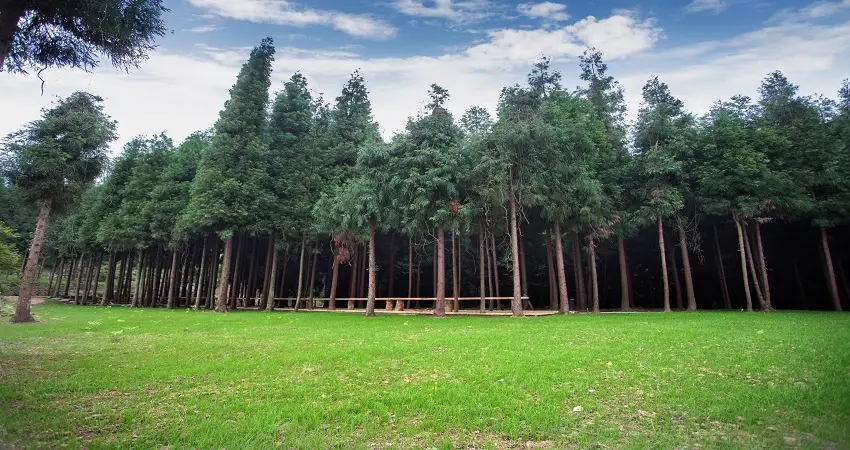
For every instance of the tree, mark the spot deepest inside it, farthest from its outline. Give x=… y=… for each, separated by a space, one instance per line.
x=230 y=192
x=614 y=166
x=53 y=160
x=424 y=174
x=71 y=33
x=661 y=135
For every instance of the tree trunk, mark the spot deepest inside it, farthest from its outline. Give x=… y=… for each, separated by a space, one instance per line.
x=495 y=267
x=55 y=291
x=455 y=294
x=129 y=282
x=252 y=275
x=71 y=268
x=754 y=273
x=89 y=274
x=172 y=284
x=310 y=292
x=564 y=303
x=830 y=270
x=213 y=273
x=516 y=302
x=119 y=288
x=579 y=273
x=201 y=278
x=138 y=296
x=550 y=266
x=686 y=265
x=399 y=306
x=97 y=276
x=624 y=275
x=50 y=283
x=159 y=270
x=352 y=283
x=721 y=271
x=440 y=305
x=264 y=296
x=391 y=282
x=236 y=277
x=272 y=280
x=489 y=263
x=300 y=274
x=373 y=271
x=594 y=279
x=78 y=280
x=674 y=268
x=742 y=250
x=109 y=291
x=364 y=271
x=221 y=301
x=22 y=310
x=663 y=265
x=9 y=17
x=334 y=281
x=765 y=282
x=283 y=271
x=188 y=277
x=524 y=273
x=434 y=270
x=482 y=307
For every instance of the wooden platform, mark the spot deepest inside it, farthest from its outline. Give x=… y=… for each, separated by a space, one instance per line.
x=419 y=312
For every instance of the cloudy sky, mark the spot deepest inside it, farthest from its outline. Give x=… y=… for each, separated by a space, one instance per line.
x=704 y=49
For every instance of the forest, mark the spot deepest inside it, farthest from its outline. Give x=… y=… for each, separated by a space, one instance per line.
x=558 y=202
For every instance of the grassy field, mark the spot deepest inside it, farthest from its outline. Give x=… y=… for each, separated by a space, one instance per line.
x=119 y=377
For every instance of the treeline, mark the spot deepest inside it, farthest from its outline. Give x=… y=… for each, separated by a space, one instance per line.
x=553 y=204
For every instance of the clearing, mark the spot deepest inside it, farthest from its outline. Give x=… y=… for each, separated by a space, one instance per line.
x=118 y=377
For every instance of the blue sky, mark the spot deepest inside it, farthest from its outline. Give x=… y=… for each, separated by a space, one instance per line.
x=705 y=50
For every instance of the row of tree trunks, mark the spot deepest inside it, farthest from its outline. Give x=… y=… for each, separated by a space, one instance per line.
x=181 y=276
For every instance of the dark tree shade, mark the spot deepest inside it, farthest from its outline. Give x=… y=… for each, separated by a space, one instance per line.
x=71 y=33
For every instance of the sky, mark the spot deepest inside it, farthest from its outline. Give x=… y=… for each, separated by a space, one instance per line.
x=705 y=50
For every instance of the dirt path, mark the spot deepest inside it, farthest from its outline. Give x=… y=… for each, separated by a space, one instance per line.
x=35 y=300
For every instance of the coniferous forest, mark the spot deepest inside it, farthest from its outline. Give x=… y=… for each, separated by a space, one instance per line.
x=558 y=202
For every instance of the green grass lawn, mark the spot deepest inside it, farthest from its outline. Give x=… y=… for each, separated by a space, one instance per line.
x=119 y=377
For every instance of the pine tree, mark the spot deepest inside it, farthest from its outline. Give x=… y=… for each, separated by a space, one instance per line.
x=230 y=191
x=53 y=160
x=72 y=33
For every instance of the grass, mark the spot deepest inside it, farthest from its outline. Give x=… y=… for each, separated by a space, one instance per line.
x=119 y=377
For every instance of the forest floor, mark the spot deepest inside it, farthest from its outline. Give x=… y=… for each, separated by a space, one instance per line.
x=116 y=377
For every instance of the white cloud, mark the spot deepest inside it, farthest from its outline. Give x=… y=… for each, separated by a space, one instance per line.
x=283 y=12
x=202 y=29
x=459 y=11
x=814 y=11
x=555 y=12
x=183 y=93
x=715 y=6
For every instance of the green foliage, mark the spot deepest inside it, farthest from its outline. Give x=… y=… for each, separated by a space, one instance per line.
x=564 y=172
x=18 y=213
x=230 y=192
x=10 y=259
x=170 y=196
x=663 y=133
x=294 y=158
x=476 y=120
x=733 y=173
x=59 y=155
x=109 y=232
x=72 y=33
x=350 y=128
x=425 y=167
